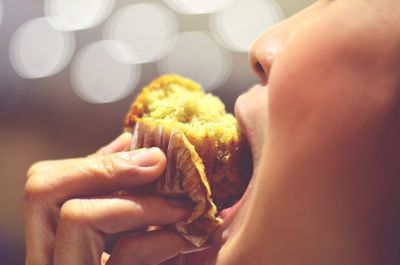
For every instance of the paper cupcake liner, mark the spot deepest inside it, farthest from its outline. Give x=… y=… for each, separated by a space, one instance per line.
x=184 y=176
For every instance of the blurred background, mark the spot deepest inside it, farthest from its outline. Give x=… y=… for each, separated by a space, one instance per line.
x=69 y=70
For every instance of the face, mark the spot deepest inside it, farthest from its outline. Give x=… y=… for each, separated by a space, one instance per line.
x=342 y=38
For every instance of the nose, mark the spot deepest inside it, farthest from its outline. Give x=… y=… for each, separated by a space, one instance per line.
x=265 y=48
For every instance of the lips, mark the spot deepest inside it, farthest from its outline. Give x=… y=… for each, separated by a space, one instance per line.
x=231 y=216
x=247 y=116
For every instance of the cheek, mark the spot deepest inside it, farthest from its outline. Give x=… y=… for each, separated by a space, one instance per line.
x=331 y=57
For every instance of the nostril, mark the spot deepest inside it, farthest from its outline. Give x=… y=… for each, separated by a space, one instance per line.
x=261 y=72
x=259 y=69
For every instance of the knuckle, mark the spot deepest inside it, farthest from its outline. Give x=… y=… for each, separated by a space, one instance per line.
x=101 y=151
x=75 y=211
x=37 y=187
x=38 y=183
x=31 y=190
x=35 y=168
x=109 y=165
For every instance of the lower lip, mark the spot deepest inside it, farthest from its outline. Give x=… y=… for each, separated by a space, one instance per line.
x=227 y=213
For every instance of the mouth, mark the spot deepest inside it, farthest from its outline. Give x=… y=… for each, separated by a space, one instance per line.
x=229 y=215
x=247 y=113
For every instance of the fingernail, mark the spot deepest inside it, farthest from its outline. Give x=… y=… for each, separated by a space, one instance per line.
x=118 y=143
x=146 y=157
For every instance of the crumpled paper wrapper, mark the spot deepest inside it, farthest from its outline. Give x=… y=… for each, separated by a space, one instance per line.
x=184 y=177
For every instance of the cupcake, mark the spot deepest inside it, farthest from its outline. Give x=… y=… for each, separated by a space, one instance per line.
x=208 y=157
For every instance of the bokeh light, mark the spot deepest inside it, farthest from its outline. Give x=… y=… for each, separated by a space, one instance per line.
x=237 y=26
x=38 y=50
x=77 y=14
x=98 y=77
x=196 y=6
x=197 y=56
x=148 y=32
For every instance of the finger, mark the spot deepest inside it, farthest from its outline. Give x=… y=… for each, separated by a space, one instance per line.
x=125 y=212
x=84 y=223
x=52 y=183
x=194 y=258
x=148 y=248
x=179 y=259
x=121 y=143
x=95 y=175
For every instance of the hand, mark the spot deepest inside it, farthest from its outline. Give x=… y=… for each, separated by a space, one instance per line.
x=71 y=205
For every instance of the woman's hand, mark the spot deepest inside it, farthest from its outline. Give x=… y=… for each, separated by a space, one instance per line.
x=71 y=206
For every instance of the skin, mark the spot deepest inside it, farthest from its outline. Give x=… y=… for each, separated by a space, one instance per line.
x=326 y=190
x=70 y=209
x=323 y=125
